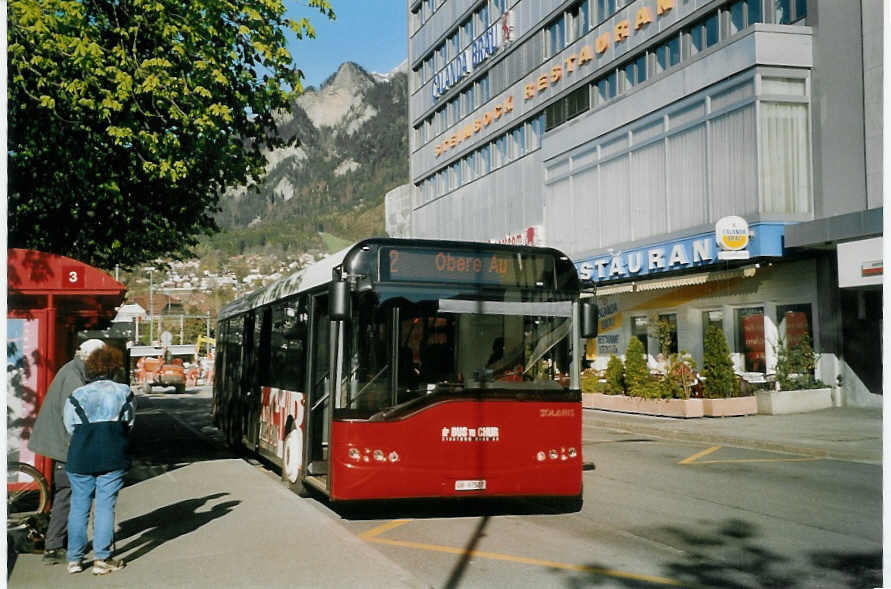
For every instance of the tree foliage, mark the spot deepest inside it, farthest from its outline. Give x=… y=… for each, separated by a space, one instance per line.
x=128 y=118
x=637 y=377
x=717 y=366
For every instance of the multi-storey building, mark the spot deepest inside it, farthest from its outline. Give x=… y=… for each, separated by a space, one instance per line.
x=704 y=162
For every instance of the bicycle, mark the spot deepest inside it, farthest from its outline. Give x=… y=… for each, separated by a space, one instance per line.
x=27 y=492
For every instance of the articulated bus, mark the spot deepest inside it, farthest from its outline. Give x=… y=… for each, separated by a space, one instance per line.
x=412 y=369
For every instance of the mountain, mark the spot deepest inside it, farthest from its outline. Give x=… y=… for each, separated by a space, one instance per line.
x=351 y=149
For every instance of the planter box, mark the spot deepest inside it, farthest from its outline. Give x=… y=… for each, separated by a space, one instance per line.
x=666 y=407
x=730 y=407
x=800 y=401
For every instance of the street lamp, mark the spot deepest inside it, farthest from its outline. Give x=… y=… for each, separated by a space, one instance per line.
x=151 y=270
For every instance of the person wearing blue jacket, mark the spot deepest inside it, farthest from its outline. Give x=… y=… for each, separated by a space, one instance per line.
x=99 y=416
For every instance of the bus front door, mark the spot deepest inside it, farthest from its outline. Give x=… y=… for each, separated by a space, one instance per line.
x=319 y=389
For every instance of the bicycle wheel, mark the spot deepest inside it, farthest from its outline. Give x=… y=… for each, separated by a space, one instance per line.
x=27 y=492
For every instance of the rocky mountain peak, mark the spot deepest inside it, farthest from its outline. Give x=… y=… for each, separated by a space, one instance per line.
x=339 y=94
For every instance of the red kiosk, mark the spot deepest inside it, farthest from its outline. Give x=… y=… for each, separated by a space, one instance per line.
x=50 y=298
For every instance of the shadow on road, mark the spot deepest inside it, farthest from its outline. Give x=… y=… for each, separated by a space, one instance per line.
x=731 y=556
x=147 y=532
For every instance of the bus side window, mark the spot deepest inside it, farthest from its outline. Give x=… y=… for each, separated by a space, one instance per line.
x=288 y=345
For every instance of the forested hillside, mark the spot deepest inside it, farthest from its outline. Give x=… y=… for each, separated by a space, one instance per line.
x=351 y=149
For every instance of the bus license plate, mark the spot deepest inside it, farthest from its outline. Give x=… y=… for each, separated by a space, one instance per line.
x=477 y=485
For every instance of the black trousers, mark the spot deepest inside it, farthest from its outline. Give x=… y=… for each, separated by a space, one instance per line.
x=57 y=531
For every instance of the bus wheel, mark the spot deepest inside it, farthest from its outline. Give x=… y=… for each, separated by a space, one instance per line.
x=292 y=462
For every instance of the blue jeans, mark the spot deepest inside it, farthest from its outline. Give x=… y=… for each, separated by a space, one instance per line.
x=84 y=487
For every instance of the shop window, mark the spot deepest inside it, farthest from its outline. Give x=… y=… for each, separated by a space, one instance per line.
x=793 y=322
x=750 y=338
x=712 y=319
x=639 y=327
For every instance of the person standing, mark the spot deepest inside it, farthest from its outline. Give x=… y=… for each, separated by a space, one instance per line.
x=50 y=438
x=99 y=417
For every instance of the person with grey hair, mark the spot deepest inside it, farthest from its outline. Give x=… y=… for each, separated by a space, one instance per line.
x=49 y=438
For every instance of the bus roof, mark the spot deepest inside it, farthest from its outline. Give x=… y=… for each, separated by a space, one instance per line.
x=321 y=272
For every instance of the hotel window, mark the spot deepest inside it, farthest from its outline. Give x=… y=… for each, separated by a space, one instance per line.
x=482 y=90
x=640 y=69
x=466 y=32
x=482 y=18
x=536 y=130
x=703 y=35
x=555 y=34
x=668 y=54
x=577 y=102
x=498 y=8
x=784 y=158
x=606 y=88
x=627 y=76
x=485 y=160
x=750 y=338
x=500 y=151
x=604 y=9
x=578 y=20
x=790 y=11
x=555 y=115
x=744 y=13
x=453 y=46
x=440 y=53
x=518 y=142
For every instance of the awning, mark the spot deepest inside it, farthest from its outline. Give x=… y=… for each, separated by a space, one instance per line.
x=678 y=281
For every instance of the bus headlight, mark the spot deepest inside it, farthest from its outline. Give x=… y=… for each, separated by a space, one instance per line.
x=541 y=456
x=553 y=454
x=354 y=454
x=394 y=457
x=379 y=456
x=572 y=453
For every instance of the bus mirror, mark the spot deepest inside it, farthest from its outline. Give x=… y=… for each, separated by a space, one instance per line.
x=589 y=318
x=339 y=304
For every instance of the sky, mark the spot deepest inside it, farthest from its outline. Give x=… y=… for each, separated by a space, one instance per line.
x=371 y=33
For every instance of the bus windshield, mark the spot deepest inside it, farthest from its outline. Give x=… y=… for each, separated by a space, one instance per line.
x=405 y=350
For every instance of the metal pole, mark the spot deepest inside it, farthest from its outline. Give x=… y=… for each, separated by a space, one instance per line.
x=180 y=330
x=151 y=271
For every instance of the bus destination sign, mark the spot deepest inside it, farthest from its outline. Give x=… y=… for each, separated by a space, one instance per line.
x=492 y=268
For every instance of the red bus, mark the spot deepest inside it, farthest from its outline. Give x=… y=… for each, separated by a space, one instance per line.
x=412 y=369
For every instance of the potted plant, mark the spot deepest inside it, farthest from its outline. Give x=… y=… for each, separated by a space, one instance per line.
x=720 y=389
x=644 y=393
x=797 y=388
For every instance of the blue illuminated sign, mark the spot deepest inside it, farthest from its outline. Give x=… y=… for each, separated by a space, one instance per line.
x=683 y=254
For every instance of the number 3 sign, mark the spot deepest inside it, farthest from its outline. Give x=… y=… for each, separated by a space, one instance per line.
x=72 y=276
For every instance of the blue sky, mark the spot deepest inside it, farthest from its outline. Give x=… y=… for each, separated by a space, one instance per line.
x=371 y=33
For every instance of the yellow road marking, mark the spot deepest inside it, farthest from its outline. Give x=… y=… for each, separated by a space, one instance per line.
x=699 y=454
x=373 y=536
x=376 y=531
x=707 y=451
x=759 y=460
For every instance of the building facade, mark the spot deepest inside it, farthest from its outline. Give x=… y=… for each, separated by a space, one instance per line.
x=703 y=162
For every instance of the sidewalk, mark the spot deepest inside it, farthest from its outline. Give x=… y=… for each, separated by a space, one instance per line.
x=224 y=523
x=842 y=433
